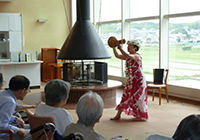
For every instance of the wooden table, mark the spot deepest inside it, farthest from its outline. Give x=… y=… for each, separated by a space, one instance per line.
x=57 y=67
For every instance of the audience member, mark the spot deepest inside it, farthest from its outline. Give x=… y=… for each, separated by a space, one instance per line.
x=56 y=95
x=1 y=81
x=18 y=88
x=18 y=107
x=89 y=110
x=158 y=137
x=188 y=129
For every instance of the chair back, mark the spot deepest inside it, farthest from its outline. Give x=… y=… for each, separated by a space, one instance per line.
x=159 y=74
x=35 y=121
x=166 y=75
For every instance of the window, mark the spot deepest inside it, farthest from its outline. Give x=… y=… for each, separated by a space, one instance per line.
x=133 y=19
x=147 y=33
x=184 y=50
x=144 y=8
x=106 y=31
x=183 y=6
x=114 y=12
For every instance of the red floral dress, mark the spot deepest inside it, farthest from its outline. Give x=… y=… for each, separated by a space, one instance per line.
x=134 y=99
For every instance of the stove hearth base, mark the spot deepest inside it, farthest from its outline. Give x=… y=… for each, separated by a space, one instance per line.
x=106 y=91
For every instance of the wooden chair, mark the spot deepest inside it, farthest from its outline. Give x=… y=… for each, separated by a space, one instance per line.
x=159 y=86
x=36 y=121
x=9 y=132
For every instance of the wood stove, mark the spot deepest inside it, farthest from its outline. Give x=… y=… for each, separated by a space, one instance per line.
x=85 y=73
x=83 y=44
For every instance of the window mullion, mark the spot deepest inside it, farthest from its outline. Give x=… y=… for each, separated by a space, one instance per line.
x=163 y=35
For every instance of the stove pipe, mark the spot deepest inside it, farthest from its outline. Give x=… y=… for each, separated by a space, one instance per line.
x=83 y=42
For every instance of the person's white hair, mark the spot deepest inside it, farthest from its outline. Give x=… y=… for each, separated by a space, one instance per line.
x=55 y=90
x=89 y=108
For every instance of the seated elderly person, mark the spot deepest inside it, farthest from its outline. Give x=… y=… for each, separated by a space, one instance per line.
x=158 y=137
x=1 y=81
x=89 y=110
x=18 y=88
x=56 y=95
x=188 y=129
x=18 y=107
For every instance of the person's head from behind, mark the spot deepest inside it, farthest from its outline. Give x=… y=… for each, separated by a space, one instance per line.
x=89 y=108
x=20 y=84
x=188 y=128
x=1 y=81
x=57 y=92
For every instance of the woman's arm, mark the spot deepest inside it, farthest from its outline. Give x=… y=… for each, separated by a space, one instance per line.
x=130 y=56
x=31 y=106
x=20 y=107
x=118 y=55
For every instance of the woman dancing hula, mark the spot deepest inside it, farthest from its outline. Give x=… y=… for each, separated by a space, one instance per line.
x=134 y=99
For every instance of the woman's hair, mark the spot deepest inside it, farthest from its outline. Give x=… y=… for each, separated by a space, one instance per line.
x=1 y=80
x=18 y=82
x=188 y=128
x=56 y=90
x=135 y=46
x=89 y=108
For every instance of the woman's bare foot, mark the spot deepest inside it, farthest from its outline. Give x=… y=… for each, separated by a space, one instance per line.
x=138 y=119
x=115 y=118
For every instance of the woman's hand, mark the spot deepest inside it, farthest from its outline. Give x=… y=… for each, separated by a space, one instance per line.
x=119 y=47
x=117 y=43
x=36 y=104
x=31 y=106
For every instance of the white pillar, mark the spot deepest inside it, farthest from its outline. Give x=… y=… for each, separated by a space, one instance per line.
x=164 y=35
x=125 y=14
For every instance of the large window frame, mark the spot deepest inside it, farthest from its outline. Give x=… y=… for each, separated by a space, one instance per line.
x=164 y=16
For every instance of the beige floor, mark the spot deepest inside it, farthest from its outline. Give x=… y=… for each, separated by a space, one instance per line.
x=163 y=119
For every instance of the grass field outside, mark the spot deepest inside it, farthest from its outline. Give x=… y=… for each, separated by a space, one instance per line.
x=184 y=63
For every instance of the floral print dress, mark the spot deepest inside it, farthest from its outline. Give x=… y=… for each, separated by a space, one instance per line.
x=134 y=99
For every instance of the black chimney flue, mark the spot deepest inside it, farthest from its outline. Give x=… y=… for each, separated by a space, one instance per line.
x=83 y=42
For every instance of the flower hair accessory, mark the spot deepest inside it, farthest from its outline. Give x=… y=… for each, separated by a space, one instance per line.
x=134 y=42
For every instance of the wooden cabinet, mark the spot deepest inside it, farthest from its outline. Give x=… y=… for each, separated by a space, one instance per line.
x=48 y=56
